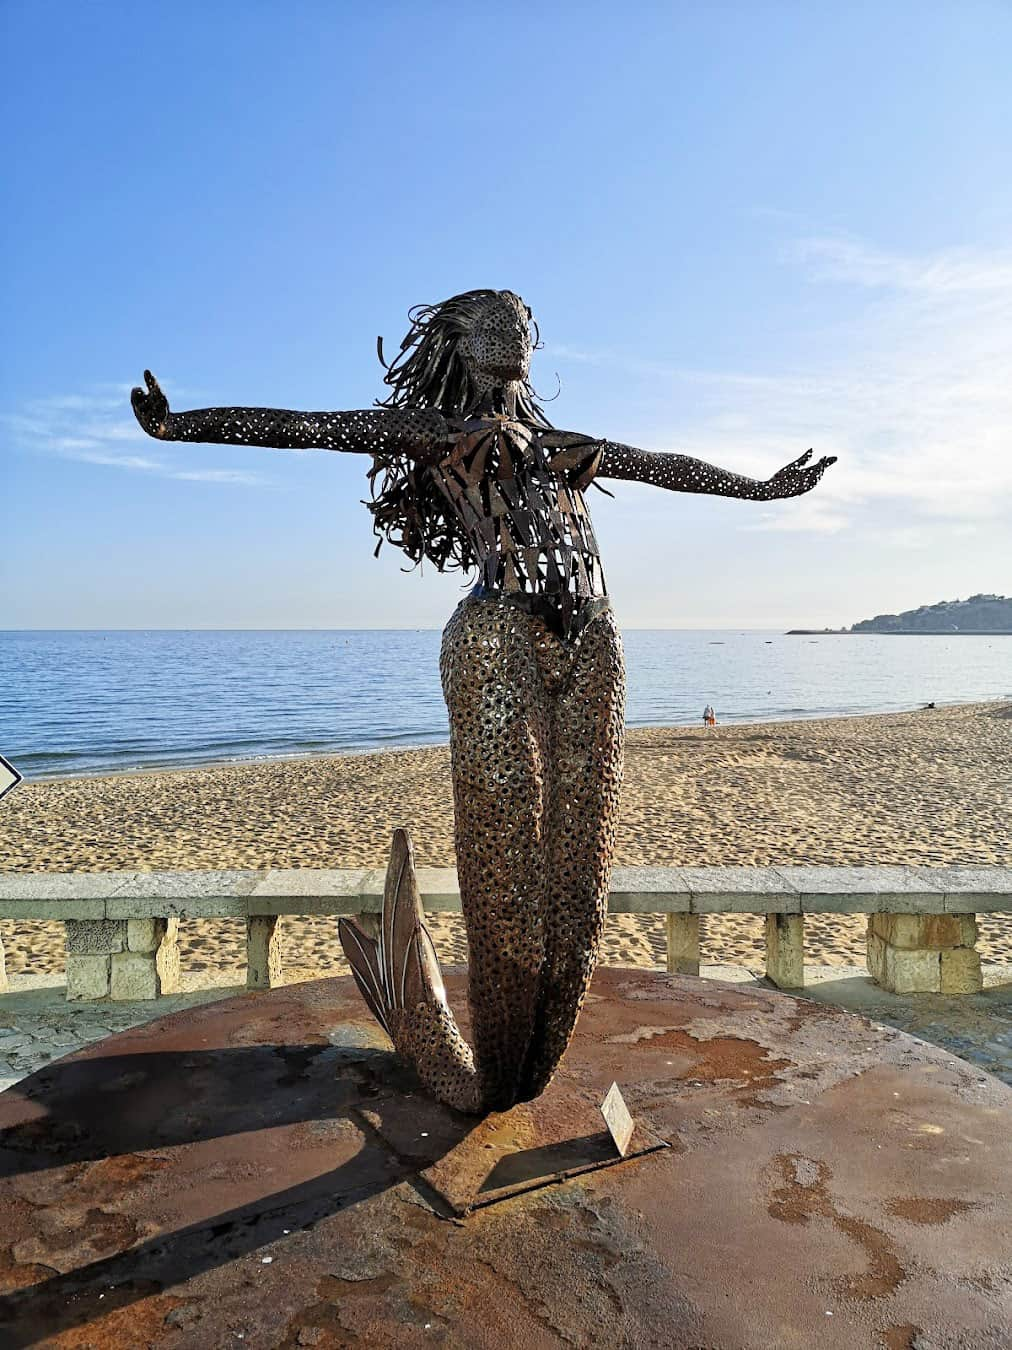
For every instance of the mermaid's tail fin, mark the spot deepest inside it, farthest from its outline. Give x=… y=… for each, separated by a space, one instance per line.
x=413 y=974
x=360 y=940
x=391 y=955
x=395 y=966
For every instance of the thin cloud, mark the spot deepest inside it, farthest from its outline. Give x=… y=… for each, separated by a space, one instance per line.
x=239 y=476
x=945 y=273
x=805 y=516
x=80 y=402
x=913 y=395
x=90 y=428
x=114 y=461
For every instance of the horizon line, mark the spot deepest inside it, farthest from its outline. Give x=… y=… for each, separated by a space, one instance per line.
x=405 y=628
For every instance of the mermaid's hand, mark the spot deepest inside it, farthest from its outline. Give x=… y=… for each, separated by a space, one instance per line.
x=796 y=478
x=151 y=407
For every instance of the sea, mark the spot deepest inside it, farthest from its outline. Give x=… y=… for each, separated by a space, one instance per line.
x=75 y=702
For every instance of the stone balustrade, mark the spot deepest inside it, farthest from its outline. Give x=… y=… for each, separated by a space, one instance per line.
x=122 y=926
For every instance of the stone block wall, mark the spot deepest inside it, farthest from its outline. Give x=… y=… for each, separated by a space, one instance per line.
x=924 y=953
x=122 y=958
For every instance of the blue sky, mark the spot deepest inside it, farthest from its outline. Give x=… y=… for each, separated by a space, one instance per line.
x=744 y=230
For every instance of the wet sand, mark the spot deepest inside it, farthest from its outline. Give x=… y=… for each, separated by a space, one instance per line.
x=926 y=787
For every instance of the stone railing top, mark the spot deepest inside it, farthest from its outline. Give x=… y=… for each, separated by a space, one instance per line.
x=646 y=890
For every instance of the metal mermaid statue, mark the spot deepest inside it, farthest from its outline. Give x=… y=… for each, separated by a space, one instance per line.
x=468 y=472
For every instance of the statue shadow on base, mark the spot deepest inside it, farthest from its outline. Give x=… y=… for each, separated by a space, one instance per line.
x=237 y=1146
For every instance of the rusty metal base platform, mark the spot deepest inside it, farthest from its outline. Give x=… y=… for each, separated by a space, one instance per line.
x=246 y=1173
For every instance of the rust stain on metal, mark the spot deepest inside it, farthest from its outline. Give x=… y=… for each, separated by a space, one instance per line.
x=804 y=1194
x=75 y=1235
x=125 y=1170
x=901 y=1337
x=935 y=1211
x=723 y=1059
x=15 y=1273
x=142 y=1323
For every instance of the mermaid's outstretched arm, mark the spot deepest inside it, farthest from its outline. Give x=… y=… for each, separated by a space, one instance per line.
x=372 y=431
x=682 y=473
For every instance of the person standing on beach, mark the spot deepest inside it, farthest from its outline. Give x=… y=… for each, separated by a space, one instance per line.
x=468 y=472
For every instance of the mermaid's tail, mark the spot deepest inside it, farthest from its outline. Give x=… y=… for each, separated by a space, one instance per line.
x=397 y=971
x=392 y=956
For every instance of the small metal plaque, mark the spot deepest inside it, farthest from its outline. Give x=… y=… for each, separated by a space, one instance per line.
x=617 y=1118
x=9 y=776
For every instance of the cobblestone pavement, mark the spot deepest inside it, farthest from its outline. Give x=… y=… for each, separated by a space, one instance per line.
x=977 y=1027
x=38 y=1025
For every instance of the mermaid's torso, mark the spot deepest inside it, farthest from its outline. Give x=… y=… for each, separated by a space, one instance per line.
x=518 y=495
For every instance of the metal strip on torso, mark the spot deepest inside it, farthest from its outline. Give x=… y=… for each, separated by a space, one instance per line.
x=526 y=521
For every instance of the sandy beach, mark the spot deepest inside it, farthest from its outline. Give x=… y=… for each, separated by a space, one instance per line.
x=928 y=787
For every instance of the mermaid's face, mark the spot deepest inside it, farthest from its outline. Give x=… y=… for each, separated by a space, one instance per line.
x=498 y=346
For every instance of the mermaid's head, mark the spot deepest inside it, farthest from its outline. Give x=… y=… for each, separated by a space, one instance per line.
x=469 y=353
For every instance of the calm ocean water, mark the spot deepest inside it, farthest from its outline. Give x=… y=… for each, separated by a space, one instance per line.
x=102 y=702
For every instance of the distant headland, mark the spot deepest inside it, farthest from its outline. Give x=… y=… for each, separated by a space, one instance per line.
x=978 y=615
